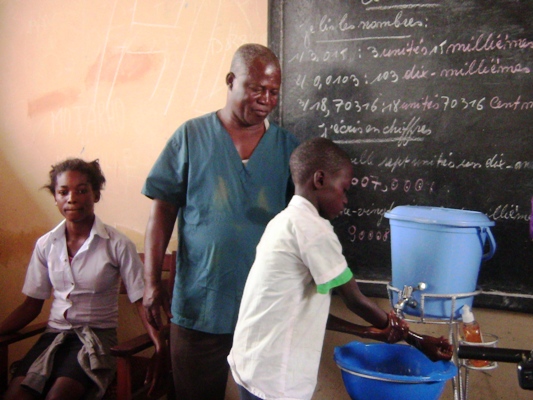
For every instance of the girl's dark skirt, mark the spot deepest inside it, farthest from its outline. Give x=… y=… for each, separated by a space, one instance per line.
x=65 y=360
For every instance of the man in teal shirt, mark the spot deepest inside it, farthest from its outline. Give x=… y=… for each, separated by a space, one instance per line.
x=223 y=176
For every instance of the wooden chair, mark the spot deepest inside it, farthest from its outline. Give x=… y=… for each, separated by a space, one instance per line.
x=131 y=367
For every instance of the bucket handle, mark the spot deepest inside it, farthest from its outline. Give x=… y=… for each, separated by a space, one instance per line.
x=492 y=242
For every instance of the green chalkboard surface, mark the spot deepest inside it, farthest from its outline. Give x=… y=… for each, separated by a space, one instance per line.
x=433 y=100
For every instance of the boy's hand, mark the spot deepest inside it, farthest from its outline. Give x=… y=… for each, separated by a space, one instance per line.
x=434 y=348
x=396 y=330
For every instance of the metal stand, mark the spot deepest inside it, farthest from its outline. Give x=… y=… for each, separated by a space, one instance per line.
x=489 y=340
x=460 y=382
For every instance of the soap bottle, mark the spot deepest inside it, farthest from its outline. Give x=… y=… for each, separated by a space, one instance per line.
x=471 y=334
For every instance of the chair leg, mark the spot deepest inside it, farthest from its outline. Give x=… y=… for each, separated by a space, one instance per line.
x=4 y=369
x=124 y=378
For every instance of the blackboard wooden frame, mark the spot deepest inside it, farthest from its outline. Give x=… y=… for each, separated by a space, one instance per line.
x=505 y=162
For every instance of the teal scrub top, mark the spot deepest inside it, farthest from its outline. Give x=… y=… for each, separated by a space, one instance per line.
x=224 y=207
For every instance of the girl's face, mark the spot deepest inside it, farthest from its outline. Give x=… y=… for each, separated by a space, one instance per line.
x=75 y=197
x=332 y=197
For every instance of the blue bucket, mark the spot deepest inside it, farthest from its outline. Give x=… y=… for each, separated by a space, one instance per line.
x=443 y=248
x=391 y=371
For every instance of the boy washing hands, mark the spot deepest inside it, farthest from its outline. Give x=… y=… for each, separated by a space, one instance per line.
x=284 y=310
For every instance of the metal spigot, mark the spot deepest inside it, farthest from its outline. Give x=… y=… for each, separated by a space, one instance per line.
x=406 y=298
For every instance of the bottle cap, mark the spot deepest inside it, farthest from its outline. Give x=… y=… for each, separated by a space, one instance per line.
x=468 y=316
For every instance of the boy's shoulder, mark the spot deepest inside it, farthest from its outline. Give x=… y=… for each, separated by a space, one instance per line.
x=302 y=218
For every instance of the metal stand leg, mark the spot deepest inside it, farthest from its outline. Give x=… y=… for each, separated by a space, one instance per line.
x=459 y=382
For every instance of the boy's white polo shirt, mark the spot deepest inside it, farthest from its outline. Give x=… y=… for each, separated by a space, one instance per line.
x=282 y=319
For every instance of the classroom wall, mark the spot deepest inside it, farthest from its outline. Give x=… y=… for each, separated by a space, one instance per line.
x=106 y=79
x=112 y=79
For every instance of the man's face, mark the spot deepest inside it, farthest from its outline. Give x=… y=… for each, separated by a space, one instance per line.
x=254 y=92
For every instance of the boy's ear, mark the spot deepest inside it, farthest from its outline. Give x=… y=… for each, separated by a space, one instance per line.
x=318 y=179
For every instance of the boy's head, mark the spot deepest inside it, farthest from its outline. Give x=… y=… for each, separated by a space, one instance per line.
x=322 y=173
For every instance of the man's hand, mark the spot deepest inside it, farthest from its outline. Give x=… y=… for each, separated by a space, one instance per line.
x=434 y=348
x=156 y=297
x=158 y=374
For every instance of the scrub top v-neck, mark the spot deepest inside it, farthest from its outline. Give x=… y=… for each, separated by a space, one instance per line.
x=225 y=205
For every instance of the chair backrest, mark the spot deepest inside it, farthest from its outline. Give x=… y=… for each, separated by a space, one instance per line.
x=168 y=269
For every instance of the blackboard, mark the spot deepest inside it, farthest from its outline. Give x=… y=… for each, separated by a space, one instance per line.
x=433 y=100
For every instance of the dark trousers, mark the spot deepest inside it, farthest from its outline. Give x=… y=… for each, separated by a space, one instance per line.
x=199 y=363
x=246 y=395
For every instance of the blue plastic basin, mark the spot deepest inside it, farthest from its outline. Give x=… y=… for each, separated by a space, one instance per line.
x=391 y=371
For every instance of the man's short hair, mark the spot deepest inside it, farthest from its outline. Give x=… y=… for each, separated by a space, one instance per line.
x=248 y=53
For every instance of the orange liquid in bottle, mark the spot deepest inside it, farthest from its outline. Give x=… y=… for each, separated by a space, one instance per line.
x=472 y=334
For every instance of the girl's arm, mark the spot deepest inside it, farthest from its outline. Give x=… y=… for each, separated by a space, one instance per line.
x=22 y=315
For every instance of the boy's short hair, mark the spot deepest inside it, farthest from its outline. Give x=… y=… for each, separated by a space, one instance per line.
x=316 y=154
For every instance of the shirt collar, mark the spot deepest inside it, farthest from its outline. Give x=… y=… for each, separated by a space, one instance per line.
x=301 y=202
x=97 y=229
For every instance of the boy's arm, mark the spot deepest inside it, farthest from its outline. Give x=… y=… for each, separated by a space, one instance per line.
x=361 y=305
x=395 y=330
x=434 y=348
x=386 y=327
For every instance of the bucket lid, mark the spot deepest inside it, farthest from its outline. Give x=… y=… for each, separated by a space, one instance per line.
x=439 y=216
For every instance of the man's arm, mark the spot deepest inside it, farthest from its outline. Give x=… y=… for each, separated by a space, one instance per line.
x=158 y=232
x=158 y=369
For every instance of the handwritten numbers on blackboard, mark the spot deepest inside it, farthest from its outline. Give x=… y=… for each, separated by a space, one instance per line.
x=433 y=101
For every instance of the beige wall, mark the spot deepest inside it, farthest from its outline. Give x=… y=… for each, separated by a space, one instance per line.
x=106 y=79
x=112 y=79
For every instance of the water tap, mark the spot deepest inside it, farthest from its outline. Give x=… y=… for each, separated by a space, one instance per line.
x=406 y=298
